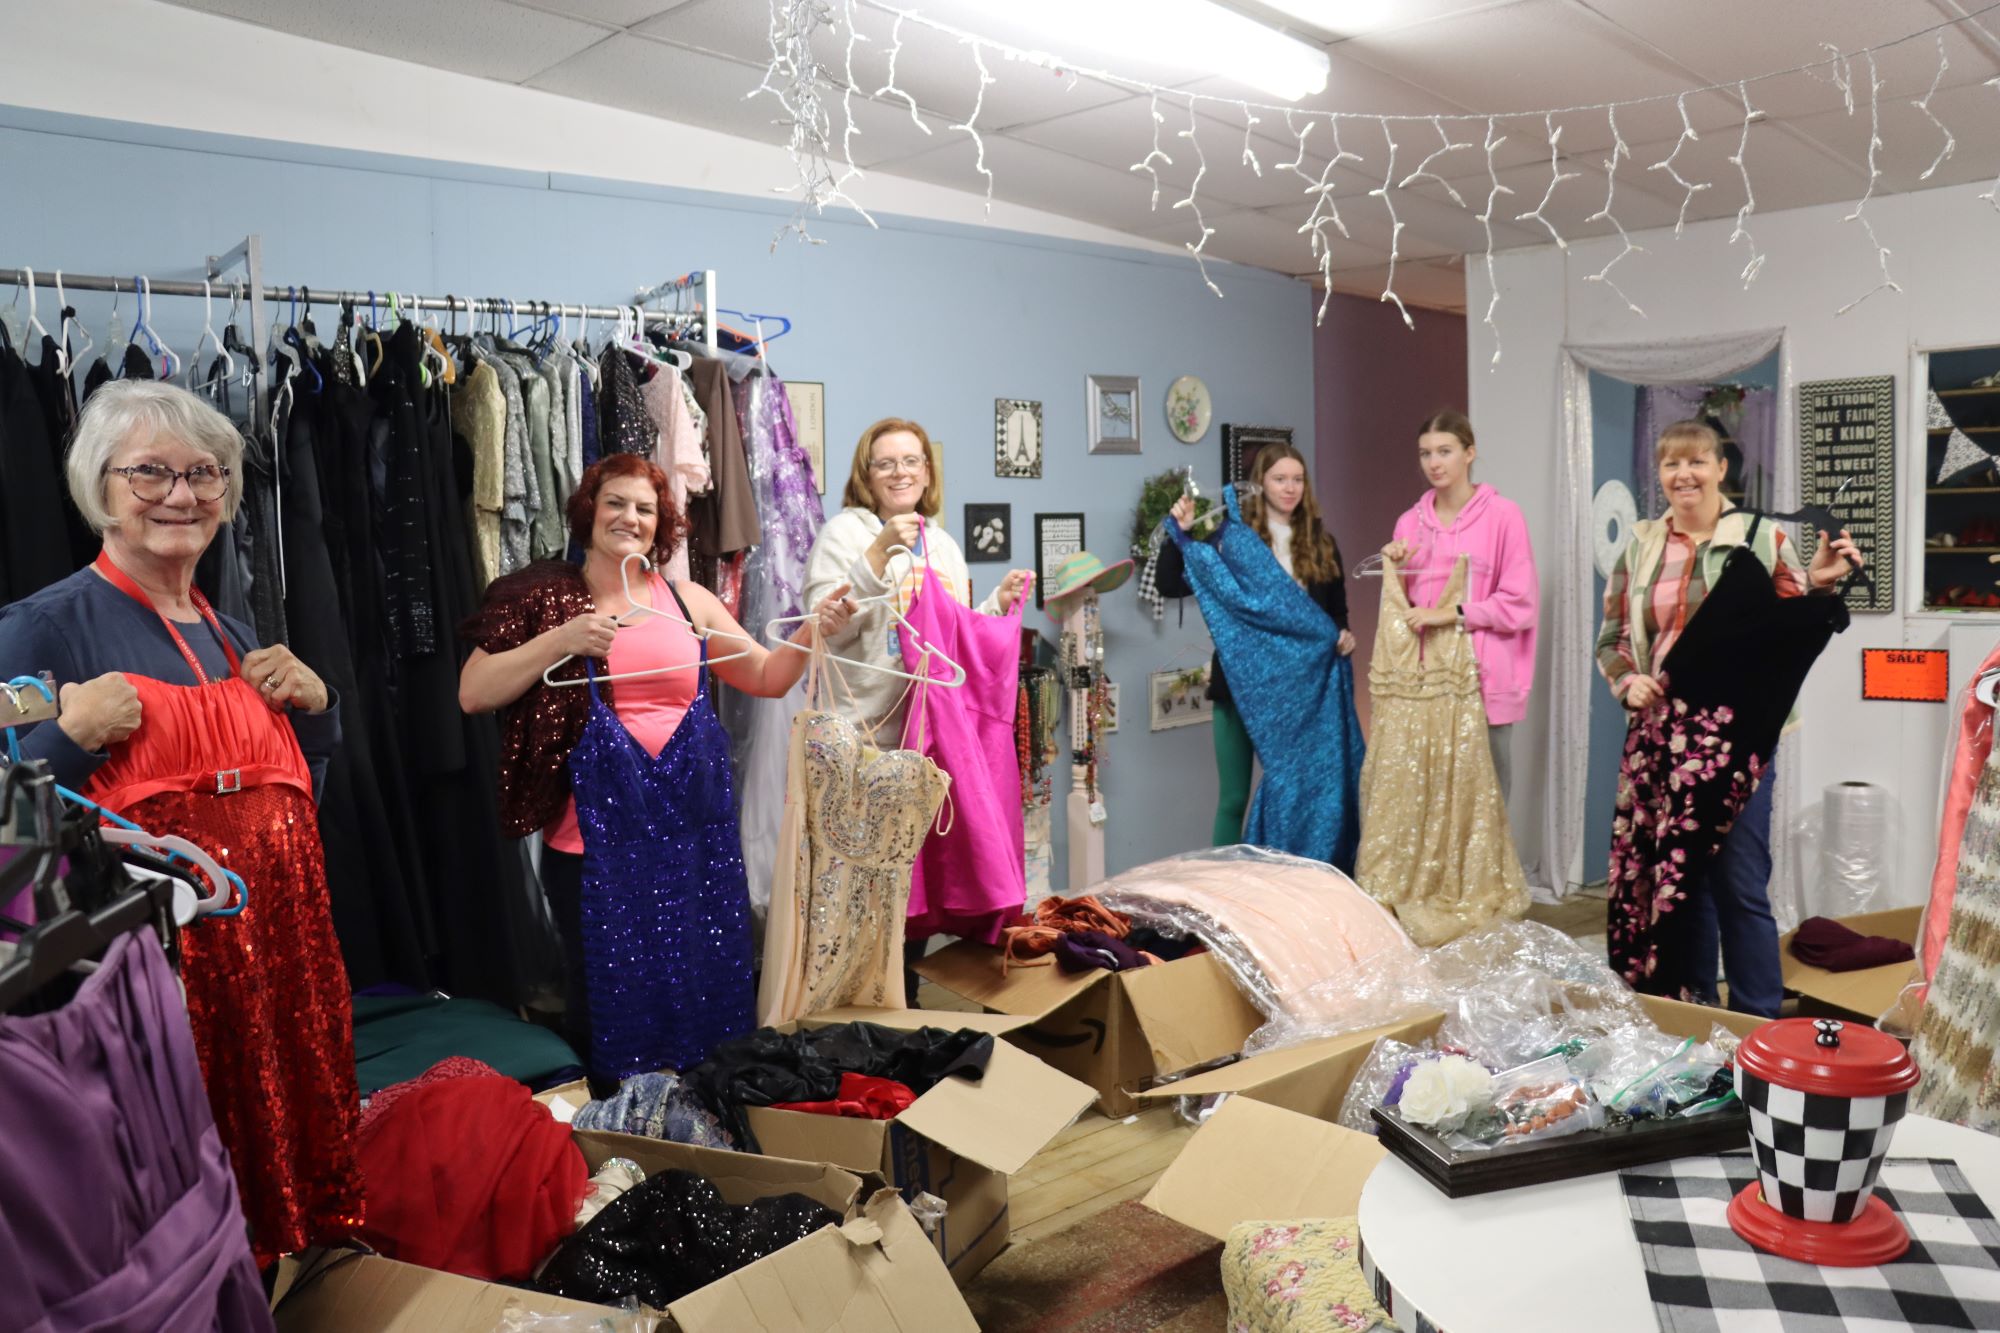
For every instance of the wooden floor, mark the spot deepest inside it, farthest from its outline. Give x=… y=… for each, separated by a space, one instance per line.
x=1098 y=1163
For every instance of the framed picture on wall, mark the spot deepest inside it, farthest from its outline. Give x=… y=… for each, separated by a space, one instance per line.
x=989 y=534
x=1241 y=443
x=1178 y=698
x=1109 y=721
x=1057 y=537
x=1112 y=411
x=1017 y=438
x=808 y=400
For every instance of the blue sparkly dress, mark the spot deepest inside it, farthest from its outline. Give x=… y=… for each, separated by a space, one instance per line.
x=1294 y=690
x=666 y=907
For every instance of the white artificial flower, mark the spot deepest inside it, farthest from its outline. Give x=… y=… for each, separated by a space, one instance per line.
x=1440 y=1093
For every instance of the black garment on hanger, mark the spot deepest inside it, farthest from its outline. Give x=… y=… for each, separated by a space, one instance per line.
x=673 y=1234
x=137 y=365
x=768 y=1066
x=34 y=542
x=57 y=396
x=1729 y=683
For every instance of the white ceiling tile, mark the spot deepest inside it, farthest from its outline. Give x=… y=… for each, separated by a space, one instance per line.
x=698 y=89
x=474 y=37
x=1911 y=143
x=613 y=13
x=1336 y=19
x=1037 y=177
x=1350 y=86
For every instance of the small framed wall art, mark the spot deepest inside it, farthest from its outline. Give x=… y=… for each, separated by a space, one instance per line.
x=1108 y=722
x=1017 y=438
x=989 y=534
x=1241 y=443
x=1112 y=411
x=1188 y=409
x=808 y=401
x=1057 y=537
x=1178 y=698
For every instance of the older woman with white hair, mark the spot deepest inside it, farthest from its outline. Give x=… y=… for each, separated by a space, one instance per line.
x=178 y=720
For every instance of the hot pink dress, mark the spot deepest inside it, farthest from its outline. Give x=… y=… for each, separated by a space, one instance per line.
x=969 y=880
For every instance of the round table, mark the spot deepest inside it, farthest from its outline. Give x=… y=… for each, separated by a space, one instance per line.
x=1556 y=1256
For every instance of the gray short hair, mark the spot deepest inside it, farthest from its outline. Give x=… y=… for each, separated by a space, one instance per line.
x=119 y=409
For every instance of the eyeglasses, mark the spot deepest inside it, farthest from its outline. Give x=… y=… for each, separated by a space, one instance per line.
x=882 y=467
x=154 y=482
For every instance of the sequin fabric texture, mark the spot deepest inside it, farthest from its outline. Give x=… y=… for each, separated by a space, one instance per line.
x=1960 y=1031
x=1292 y=687
x=666 y=909
x=673 y=1234
x=1435 y=845
x=855 y=817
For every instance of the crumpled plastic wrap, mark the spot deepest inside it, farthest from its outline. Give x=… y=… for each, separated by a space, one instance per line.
x=627 y=1318
x=1848 y=844
x=1511 y=992
x=1284 y=926
x=929 y=1210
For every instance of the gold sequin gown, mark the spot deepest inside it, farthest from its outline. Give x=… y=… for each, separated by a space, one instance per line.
x=854 y=818
x=1435 y=846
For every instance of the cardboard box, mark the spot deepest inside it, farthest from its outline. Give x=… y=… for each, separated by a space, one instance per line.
x=1116 y=1031
x=1865 y=995
x=877 y=1271
x=566 y=1100
x=959 y=1141
x=1256 y=1162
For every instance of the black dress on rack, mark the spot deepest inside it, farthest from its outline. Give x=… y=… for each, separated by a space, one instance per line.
x=34 y=543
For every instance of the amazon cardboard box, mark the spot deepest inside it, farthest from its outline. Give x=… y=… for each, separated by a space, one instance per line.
x=875 y=1271
x=959 y=1141
x=1865 y=995
x=1116 y=1031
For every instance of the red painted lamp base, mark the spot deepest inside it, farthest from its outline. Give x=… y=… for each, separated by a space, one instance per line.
x=1876 y=1236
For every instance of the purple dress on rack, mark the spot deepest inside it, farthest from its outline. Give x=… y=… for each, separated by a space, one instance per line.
x=120 y=1207
x=666 y=910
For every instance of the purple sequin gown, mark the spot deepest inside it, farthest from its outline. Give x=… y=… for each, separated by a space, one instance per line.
x=666 y=911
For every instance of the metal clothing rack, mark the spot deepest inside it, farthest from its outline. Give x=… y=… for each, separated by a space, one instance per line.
x=693 y=295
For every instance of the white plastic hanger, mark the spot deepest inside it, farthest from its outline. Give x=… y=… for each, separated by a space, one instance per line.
x=65 y=359
x=167 y=842
x=208 y=335
x=1371 y=566
x=639 y=611
x=35 y=331
x=145 y=326
x=887 y=599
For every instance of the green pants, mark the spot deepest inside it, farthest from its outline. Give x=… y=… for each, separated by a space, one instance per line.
x=1234 y=761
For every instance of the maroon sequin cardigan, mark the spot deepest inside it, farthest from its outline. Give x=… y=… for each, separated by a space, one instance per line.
x=538 y=730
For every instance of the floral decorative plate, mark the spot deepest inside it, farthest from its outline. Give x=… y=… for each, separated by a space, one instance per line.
x=1188 y=409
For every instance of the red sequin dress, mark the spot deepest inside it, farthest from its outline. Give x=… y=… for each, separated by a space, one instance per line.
x=266 y=990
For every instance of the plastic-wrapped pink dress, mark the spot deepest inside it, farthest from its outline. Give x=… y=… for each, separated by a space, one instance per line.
x=970 y=879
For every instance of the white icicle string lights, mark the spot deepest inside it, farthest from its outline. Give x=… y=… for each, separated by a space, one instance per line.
x=1193 y=135
x=1923 y=104
x=1604 y=214
x=1992 y=195
x=1556 y=177
x=1741 y=232
x=804 y=90
x=848 y=128
x=1874 y=173
x=1493 y=193
x=972 y=121
x=1395 y=229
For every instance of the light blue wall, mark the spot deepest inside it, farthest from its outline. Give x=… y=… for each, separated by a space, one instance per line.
x=920 y=319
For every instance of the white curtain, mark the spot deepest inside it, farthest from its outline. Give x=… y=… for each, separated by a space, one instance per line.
x=1571 y=615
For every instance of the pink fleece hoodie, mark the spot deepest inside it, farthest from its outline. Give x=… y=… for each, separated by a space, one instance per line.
x=1502 y=595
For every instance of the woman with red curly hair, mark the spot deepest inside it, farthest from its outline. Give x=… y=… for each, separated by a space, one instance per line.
x=630 y=789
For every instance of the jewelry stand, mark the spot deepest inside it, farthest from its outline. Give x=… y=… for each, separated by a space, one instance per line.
x=1083 y=674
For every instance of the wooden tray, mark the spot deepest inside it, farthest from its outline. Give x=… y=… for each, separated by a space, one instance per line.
x=1460 y=1173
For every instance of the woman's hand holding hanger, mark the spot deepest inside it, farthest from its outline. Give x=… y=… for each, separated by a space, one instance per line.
x=832 y=612
x=1183 y=512
x=587 y=635
x=1396 y=552
x=897 y=530
x=1011 y=588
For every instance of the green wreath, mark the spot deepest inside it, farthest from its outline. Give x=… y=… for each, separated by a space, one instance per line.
x=1156 y=499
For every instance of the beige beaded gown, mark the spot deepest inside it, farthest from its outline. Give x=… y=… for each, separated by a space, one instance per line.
x=1435 y=846
x=854 y=818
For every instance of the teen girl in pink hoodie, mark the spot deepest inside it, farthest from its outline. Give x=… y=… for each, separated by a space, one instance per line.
x=1502 y=594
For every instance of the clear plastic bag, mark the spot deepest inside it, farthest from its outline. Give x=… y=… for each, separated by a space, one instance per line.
x=929 y=1210
x=625 y=1318
x=1847 y=847
x=1648 y=1074
x=1537 y=1101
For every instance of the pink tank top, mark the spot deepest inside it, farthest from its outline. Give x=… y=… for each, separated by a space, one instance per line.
x=652 y=706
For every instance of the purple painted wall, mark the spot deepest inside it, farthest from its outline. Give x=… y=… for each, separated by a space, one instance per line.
x=1374 y=382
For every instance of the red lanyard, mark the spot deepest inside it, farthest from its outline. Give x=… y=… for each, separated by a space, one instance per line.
x=122 y=581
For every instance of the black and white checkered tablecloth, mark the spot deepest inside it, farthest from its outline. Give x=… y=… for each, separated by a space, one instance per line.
x=1704 y=1278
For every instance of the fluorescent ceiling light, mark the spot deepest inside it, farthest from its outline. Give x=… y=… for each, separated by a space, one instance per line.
x=1188 y=34
x=1341 y=18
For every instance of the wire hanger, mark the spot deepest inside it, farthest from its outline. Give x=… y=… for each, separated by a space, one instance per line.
x=929 y=651
x=638 y=610
x=65 y=359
